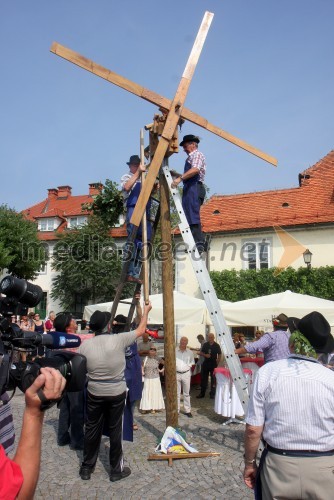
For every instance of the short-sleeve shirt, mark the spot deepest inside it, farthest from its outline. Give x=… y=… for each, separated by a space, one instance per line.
x=197 y=160
x=124 y=180
x=11 y=477
x=151 y=367
x=214 y=350
x=106 y=363
x=294 y=399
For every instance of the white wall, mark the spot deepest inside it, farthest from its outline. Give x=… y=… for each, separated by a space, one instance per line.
x=44 y=280
x=226 y=253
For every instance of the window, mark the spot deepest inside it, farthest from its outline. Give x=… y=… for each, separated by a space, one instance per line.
x=41 y=307
x=74 y=222
x=256 y=254
x=46 y=224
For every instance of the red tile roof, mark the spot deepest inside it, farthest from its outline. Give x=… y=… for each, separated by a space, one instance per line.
x=57 y=206
x=312 y=202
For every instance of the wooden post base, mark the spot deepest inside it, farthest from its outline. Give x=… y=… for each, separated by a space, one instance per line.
x=172 y=456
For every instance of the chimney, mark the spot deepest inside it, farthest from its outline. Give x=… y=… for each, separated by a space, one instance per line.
x=95 y=188
x=52 y=193
x=64 y=192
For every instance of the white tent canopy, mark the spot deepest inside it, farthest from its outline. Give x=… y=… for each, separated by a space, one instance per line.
x=187 y=310
x=261 y=310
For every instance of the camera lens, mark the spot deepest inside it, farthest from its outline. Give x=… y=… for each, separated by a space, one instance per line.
x=22 y=290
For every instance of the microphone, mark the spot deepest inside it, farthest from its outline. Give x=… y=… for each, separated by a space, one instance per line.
x=52 y=340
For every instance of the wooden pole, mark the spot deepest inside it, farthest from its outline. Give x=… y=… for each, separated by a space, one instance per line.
x=168 y=305
x=144 y=252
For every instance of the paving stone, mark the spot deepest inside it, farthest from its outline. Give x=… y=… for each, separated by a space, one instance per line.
x=207 y=478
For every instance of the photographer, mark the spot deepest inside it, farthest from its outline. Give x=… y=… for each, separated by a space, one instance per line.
x=18 y=477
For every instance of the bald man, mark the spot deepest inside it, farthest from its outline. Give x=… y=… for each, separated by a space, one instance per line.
x=184 y=362
x=211 y=353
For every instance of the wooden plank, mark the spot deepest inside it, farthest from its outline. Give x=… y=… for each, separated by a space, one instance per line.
x=144 y=227
x=175 y=456
x=189 y=70
x=153 y=98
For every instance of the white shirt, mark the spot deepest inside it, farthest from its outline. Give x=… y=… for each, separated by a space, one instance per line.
x=294 y=400
x=184 y=360
x=124 y=179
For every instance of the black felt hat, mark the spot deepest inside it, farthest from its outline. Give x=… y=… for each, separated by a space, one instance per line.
x=293 y=324
x=62 y=321
x=189 y=138
x=315 y=327
x=134 y=160
x=99 y=320
x=120 y=319
x=119 y=323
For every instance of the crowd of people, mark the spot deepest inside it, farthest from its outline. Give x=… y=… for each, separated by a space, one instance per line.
x=291 y=408
x=294 y=386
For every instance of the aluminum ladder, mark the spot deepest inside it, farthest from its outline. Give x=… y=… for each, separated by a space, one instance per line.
x=222 y=330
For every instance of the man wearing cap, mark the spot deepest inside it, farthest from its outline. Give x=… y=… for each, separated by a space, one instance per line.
x=292 y=409
x=193 y=187
x=106 y=392
x=131 y=186
x=275 y=345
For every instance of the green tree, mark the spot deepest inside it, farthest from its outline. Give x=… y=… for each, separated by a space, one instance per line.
x=108 y=205
x=88 y=264
x=21 y=252
x=246 y=284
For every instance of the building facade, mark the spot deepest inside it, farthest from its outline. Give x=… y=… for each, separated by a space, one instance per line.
x=249 y=231
x=269 y=228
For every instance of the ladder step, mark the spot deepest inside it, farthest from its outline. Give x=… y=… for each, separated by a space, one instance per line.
x=125 y=302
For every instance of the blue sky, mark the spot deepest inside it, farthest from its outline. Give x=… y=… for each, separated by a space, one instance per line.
x=266 y=75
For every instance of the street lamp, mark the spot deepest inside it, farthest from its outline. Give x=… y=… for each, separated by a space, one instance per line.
x=307 y=258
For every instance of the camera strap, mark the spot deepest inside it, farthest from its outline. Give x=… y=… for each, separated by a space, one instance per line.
x=46 y=403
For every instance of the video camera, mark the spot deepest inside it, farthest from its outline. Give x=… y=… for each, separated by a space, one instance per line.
x=20 y=295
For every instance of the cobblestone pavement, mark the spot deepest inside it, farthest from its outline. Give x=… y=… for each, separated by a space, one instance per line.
x=207 y=478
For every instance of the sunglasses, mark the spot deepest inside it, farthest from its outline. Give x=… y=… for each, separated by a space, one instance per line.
x=152 y=349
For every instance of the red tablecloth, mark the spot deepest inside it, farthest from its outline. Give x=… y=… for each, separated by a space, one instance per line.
x=226 y=371
x=195 y=379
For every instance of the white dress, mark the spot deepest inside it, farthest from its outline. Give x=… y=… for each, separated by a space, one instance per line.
x=152 y=398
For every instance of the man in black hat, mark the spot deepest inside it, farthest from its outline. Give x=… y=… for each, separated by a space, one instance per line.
x=106 y=392
x=131 y=187
x=193 y=187
x=292 y=409
x=274 y=345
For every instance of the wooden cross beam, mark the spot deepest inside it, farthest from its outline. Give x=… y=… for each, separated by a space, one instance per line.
x=174 y=112
x=154 y=98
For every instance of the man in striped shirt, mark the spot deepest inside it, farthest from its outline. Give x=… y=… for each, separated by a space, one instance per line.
x=292 y=409
x=193 y=187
